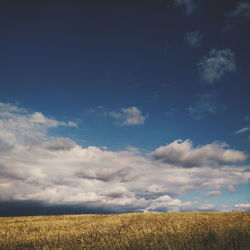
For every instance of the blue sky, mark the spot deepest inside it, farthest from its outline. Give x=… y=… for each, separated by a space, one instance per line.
x=121 y=80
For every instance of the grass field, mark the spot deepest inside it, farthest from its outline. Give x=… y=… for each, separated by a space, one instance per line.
x=128 y=231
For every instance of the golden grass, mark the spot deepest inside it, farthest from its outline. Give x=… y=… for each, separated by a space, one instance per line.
x=128 y=231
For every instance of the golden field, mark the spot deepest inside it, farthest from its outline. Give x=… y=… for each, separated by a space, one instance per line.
x=128 y=231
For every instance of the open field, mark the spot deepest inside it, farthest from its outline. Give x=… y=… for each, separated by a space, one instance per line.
x=128 y=231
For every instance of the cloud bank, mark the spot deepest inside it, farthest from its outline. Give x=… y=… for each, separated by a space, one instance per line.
x=37 y=167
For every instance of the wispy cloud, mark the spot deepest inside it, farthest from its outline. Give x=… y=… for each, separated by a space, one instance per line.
x=128 y=116
x=214 y=65
x=242 y=130
x=206 y=104
x=35 y=166
x=154 y=97
x=188 y=5
x=193 y=39
x=242 y=10
x=171 y=112
x=213 y=193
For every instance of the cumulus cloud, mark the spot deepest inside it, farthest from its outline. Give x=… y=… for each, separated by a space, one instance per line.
x=183 y=153
x=214 y=65
x=193 y=39
x=188 y=5
x=37 y=167
x=166 y=203
x=128 y=116
x=242 y=10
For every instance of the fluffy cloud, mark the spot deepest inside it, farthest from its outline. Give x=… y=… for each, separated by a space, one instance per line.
x=166 y=203
x=218 y=62
x=128 y=116
x=188 y=5
x=182 y=153
x=193 y=39
x=37 y=167
x=242 y=10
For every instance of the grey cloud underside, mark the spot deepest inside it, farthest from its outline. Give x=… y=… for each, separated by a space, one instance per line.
x=122 y=175
x=57 y=171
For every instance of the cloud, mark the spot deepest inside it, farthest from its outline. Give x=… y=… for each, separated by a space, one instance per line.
x=207 y=208
x=128 y=116
x=171 y=111
x=166 y=203
x=242 y=130
x=193 y=39
x=243 y=207
x=37 y=168
x=182 y=153
x=231 y=188
x=205 y=105
x=213 y=193
x=214 y=65
x=242 y=10
x=188 y=5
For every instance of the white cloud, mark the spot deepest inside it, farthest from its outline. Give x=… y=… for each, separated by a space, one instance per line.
x=218 y=62
x=213 y=193
x=56 y=170
x=71 y=124
x=182 y=153
x=242 y=10
x=166 y=203
x=243 y=207
x=188 y=5
x=193 y=39
x=242 y=130
x=128 y=116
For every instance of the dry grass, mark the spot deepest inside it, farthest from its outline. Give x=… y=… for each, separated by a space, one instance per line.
x=128 y=231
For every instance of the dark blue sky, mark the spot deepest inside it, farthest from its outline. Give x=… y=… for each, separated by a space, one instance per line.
x=131 y=73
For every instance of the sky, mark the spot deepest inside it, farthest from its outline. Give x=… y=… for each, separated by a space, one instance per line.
x=124 y=106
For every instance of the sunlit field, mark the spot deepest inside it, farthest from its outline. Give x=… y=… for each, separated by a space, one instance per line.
x=128 y=231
